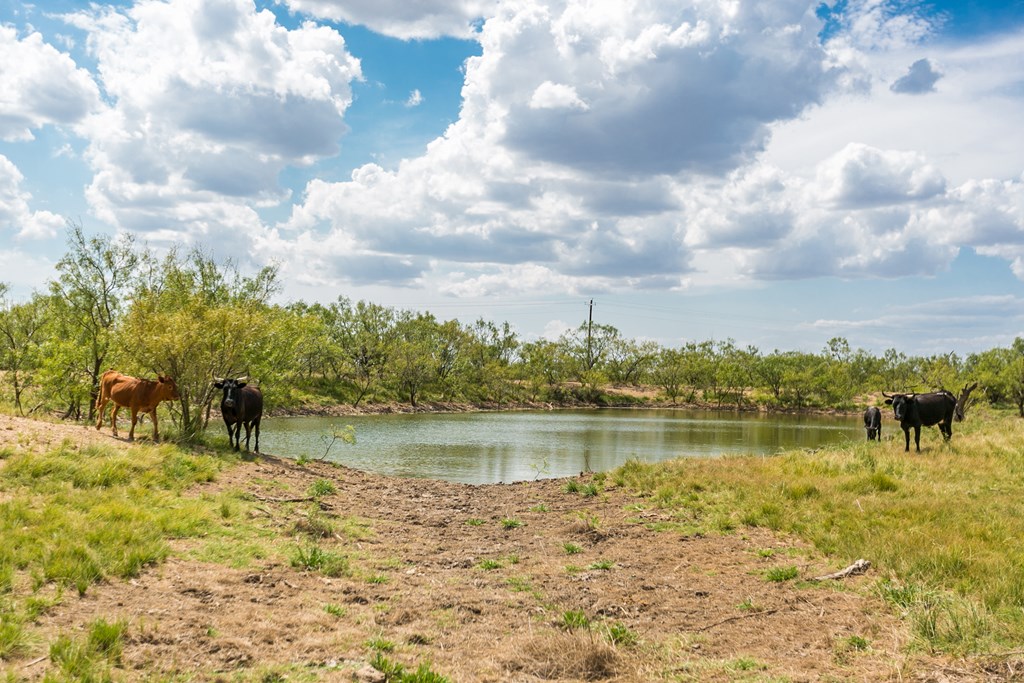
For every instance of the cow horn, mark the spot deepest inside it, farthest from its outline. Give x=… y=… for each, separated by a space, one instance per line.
x=243 y=378
x=887 y=395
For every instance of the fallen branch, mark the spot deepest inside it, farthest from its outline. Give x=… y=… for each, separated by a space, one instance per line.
x=858 y=567
x=304 y=499
x=36 y=661
x=748 y=615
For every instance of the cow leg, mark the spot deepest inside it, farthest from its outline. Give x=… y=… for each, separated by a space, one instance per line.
x=947 y=430
x=917 y=438
x=113 y=419
x=248 y=435
x=101 y=408
x=156 y=430
x=135 y=419
x=257 y=435
x=906 y=434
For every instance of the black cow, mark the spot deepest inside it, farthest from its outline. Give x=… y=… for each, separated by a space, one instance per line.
x=873 y=423
x=915 y=410
x=241 y=405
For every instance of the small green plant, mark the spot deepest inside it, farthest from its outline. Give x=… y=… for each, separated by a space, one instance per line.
x=321 y=488
x=602 y=565
x=571 y=486
x=745 y=664
x=489 y=564
x=518 y=584
x=766 y=553
x=315 y=524
x=539 y=508
x=13 y=638
x=575 y=619
x=780 y=574
x=314 y=558
x=378 y=579
x=541 y=467
x=346 y=434
x=474 y=521
x=334 y=610
x=619 y=634
x=857 y=643
x=379 y=644
x=748 y=606
x=510 y=523
x=88 y=659
x=396 y=673
x=590 y=491
x=573 y=569
x=571 y=548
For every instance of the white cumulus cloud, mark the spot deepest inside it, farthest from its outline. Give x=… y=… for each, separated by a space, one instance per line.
x=405 y=19
x=40 y=85
x=211 y=99
x=16 y=214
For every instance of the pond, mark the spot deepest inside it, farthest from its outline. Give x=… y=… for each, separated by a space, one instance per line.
x=492 y=447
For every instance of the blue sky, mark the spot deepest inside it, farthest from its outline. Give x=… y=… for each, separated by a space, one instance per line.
x=776 y=173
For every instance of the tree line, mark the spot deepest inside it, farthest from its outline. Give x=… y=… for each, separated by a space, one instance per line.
x=115 y=303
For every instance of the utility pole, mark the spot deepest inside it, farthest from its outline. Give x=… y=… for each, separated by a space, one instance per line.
x=590 y=325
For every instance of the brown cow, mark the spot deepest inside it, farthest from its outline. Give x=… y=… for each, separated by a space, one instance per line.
x=138 y=395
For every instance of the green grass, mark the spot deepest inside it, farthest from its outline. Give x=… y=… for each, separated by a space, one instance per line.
x=941 y=521
x=510 y=523
x=321 y=488
x=71 y=516
x=315 y=558
x=91 y=656
x=574 y=619
x=395 y=672
x=335 y=610
x=571 y=548
x=780 y=574
x=619 y=634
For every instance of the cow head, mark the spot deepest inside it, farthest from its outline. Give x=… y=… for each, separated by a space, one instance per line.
x=899 y=403
x=230 y=388
x=168 y=388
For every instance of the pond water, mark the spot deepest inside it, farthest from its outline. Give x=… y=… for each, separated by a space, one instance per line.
x=492 y=447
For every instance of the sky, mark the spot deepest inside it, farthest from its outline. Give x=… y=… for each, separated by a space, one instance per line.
x=776 y=173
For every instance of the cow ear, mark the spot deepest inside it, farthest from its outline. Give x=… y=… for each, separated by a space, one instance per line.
x=242 y=384
x=219 y=385
x=888 y=401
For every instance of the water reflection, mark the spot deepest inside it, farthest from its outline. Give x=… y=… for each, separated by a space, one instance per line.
x=503 y=447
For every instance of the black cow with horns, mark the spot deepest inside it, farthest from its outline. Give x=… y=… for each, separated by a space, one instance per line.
x=241 y=404
x=917 y=410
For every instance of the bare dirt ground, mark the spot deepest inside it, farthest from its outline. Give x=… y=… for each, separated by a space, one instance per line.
x=438 y=577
